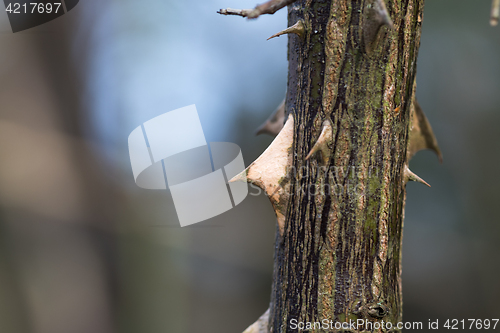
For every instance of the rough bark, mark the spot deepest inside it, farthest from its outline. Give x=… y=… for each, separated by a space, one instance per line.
x=339 y=191
x=340 y=254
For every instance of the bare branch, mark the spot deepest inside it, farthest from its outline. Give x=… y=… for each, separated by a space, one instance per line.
x=270 y=7
x=239 y=12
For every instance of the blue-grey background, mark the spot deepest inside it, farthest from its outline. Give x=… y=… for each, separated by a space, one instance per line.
x=83 y=249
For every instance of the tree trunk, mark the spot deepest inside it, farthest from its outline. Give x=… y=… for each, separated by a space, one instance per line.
x=340 y=254
x=336 y=173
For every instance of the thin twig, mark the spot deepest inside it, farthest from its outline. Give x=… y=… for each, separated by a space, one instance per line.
x=270 y=7
x=239 y=12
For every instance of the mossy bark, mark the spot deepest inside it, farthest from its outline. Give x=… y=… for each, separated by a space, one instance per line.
x=339 y=257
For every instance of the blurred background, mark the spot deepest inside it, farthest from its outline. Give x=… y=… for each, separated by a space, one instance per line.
x=83 y=249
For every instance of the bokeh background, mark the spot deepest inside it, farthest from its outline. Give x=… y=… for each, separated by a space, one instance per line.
x=83 y=249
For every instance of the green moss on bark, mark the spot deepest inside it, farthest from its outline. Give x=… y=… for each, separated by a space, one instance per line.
x=339 y=256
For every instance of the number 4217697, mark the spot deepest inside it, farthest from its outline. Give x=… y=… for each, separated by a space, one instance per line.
x=486 y=324
x=33 y=8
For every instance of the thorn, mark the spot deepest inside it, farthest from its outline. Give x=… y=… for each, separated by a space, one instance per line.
x=323 y=143
x=269 y=171
x=495 y=11
x=382 y=15
x=241 y=177
x=270 y=167
x=298 y=29
x=274 y=123
x=421 y=134
x=410 y=176
x=377 y=16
